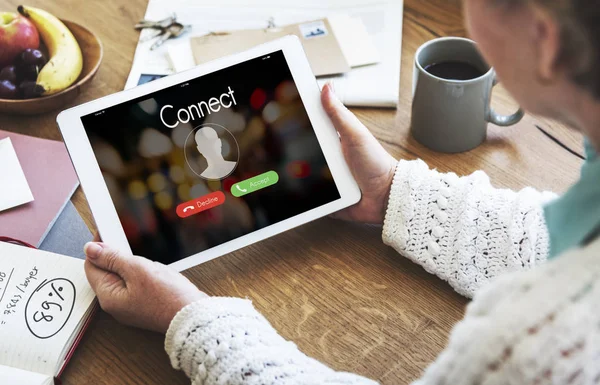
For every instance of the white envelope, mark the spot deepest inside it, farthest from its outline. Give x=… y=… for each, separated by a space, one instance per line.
x=14 y=189
x=354 y=40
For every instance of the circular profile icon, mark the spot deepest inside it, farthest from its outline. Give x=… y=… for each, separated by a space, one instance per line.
x=211 y=151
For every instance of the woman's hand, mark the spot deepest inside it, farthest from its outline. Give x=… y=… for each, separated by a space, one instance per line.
x=371 y=165
x=136 y=291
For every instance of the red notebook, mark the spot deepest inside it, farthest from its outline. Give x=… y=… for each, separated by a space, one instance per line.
x=52 y=180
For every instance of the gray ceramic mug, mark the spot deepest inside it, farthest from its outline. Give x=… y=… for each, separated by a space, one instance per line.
x=452 y=115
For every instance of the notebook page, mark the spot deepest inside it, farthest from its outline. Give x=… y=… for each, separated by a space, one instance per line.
x=14 y=376
x=43 y=297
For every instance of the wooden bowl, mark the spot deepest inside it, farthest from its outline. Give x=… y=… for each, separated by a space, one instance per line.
x=91 y=49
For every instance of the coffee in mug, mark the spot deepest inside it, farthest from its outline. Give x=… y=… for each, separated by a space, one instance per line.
x=452 y=89
x=454 y=70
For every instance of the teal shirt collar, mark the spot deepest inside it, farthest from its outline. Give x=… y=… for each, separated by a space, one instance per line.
x=574 y=219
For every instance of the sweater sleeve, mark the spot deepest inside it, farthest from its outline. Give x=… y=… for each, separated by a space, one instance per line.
x=461 y=228
x=218 y=341
x=534 y=327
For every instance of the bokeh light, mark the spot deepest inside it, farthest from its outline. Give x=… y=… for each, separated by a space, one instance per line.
x=189 y=173
x=137 y=189
x=157 y=182
x=271 y=112
x=233 y=121
x=198 y=190
x=258 y=98
x=180 y=133
x=109 y=158
x=286 y=92
x=214 y=185
x=176 y=174
x=183 y=192
x=236 y=123
x=154 y=144
x=228 y=182
x=149 y=106
x=298 y=169
x=163 y=200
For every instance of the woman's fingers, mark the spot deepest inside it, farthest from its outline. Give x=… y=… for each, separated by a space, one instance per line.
x=371 y=165
x=108 y=259
x=135 y=290
x=102 y=282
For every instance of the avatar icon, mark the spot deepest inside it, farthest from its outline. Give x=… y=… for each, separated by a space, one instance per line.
x=209 y=146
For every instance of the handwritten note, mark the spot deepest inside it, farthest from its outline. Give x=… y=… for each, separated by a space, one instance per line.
x=21 y=289
x=43 y=298
x=49 y=307
x=4 y=282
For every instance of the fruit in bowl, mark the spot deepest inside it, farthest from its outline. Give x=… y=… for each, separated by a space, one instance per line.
x=8 y=90
x=21 y=75
x=17 y=34
x=31 y=74
x=27 y=87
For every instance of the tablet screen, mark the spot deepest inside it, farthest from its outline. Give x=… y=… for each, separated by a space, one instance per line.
x=204 y=162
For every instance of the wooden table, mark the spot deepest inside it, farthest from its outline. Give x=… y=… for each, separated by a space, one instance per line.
x=331 y=287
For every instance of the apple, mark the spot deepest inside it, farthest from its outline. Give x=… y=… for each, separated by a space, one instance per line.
x=16 y=35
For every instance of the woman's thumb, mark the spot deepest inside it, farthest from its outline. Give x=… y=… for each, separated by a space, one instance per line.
x=108 y=259
x=344 y=121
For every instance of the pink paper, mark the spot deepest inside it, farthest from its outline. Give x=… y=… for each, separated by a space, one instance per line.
x=52 y=180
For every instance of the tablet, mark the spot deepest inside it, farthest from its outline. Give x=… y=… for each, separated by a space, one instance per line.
x=198 y=164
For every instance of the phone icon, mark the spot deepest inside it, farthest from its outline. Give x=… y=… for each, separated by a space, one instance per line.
x=200 y=204
x=241 y=189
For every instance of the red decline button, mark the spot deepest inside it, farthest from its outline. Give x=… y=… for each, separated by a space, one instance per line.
x=198 y=205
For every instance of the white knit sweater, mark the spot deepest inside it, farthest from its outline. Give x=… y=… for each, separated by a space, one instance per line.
x=538 y=326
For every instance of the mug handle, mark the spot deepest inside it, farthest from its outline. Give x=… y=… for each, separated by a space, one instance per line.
x=504 y=120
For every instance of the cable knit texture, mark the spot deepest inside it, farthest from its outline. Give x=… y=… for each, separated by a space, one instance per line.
x=461 y=228
x=224 y=341
x=529 y=327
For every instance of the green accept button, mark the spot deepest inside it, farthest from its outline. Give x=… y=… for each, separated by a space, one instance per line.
x=254 y=184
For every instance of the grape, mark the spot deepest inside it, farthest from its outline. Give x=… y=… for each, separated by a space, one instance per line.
x=31 y=57
x=8 y=90
x=29 y=89
x=9 y=73
x=28 y=72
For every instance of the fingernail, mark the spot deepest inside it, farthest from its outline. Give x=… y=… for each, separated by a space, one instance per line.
x=92 y=249
x=332 y=88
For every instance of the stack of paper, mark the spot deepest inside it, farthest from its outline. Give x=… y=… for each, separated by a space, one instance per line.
x=321 y=44
x=374 y=85
x=37 y=180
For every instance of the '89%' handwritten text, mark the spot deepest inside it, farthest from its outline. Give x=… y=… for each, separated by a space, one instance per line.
x=49 y=307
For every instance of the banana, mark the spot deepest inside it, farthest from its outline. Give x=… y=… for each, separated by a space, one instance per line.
x=66 y=62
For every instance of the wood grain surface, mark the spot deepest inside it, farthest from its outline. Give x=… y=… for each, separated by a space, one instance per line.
x=331 y=287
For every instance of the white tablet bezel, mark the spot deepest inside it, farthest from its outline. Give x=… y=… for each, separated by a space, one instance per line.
x=96 y=191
